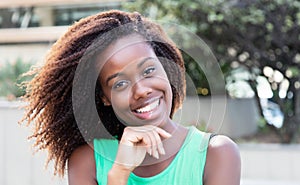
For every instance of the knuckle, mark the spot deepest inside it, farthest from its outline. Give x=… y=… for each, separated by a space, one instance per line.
x=126 y=129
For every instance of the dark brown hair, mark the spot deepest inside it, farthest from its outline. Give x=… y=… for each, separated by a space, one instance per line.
x=50 y=106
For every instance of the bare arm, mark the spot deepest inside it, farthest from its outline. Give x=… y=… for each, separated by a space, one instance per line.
x=223 y=164
x=81 y=167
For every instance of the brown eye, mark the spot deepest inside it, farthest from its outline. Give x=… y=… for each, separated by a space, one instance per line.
x=120 y=84
x=149 y=70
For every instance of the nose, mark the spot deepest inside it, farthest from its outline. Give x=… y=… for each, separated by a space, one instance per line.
x=141 y=90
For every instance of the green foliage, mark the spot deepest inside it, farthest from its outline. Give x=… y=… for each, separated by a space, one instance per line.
x=197 y=76
x=176 y=12
x=11 y=78
x=259 y=32
x=293 y=71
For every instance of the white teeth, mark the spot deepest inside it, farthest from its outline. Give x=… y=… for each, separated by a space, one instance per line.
x=148 y=108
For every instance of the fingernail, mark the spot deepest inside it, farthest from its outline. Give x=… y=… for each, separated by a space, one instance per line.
x=163 y=151
x=168 y=135
x=155 y=154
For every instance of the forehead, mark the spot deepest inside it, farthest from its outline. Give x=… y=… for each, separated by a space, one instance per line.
x=125 y=51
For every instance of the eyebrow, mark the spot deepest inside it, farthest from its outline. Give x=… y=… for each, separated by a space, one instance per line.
x=140 y=64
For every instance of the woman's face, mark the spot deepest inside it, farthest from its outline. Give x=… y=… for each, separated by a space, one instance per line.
x=135 y=84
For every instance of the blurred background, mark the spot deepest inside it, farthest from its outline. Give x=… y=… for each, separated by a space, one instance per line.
x=256 y=44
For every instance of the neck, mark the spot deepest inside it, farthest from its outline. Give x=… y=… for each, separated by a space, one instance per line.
x=171 y=145
x=170 y=126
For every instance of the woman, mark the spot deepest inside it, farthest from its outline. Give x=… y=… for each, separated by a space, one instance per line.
x=139 y=85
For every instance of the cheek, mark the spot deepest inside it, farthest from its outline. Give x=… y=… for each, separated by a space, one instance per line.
x=166 y=86
x=164 y=82
x=120 y=105
x=170 y=94
x=120 y=100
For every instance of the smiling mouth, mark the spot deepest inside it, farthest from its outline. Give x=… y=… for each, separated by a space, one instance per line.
x=148 y=108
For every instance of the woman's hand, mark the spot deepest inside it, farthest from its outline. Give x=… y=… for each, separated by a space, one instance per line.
x=136 y=142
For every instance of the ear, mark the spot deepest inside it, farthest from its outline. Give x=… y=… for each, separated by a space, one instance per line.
x=105 y=101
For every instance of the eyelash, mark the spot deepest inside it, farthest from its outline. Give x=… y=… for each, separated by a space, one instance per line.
x=149 y=70
x=122 y=83
x=119 y=84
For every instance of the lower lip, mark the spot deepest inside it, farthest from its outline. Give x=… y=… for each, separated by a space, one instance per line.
x=146 y=115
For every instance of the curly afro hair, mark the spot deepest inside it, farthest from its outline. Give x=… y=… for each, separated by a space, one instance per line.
x=50 y=107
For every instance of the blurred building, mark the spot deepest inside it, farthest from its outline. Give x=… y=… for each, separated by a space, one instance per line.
x=29 y=27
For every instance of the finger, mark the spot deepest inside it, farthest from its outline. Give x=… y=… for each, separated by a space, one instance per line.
x=134 y=139
x=163 y=133
x=160 y=147
x=148 y=137
x=147 y=142
x=154 y=139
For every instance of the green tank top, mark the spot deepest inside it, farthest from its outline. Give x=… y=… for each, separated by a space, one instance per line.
x=186 y=168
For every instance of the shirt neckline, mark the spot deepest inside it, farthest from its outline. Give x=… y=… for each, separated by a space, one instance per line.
x=169 y=167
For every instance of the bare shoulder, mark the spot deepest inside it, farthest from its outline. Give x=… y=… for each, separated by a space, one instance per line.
x=82 y=154
x=223 y=143
x=81 y=166
x=223 y=163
